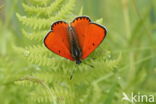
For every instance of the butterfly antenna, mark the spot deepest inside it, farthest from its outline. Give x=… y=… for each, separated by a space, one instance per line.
x=89 y=65
x=71 y=76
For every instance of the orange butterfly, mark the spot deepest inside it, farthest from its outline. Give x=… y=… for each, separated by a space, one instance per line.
x=75 y=41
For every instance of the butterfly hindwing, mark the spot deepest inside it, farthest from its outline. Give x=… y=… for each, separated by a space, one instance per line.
x=95 y=34
x=57 y=40
x=89 y=34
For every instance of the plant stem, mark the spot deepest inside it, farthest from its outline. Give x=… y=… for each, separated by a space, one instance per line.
x=126 y=18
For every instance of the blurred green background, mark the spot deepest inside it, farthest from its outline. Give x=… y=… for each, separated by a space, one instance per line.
x=131 y=35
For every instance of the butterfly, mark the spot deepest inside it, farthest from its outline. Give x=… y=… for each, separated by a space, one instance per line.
x=76 y=40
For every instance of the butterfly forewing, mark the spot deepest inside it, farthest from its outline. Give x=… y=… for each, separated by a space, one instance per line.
x=57 y=40
x=89 y=35
x=80 y=25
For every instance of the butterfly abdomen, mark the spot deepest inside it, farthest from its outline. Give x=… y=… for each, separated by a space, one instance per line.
x=74 y=45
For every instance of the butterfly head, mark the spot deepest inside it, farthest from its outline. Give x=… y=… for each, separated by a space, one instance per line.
x=78 y=61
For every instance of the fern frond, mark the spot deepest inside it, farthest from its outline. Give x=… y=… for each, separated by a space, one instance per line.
x=38 y=35
x=59 y=95
x=40 y=2
x=34 y=22
x=42 y=23
x=38 y=50
x=114 y=63
x=42 y=93
x=66 y=10
x=35 y=56
x=25 y=83
x=96 y=72
x=31 y=81
x=40 y=60
x=43 y=11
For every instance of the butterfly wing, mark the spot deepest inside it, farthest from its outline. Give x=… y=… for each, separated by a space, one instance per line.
x=57 y=40
x=89 y=34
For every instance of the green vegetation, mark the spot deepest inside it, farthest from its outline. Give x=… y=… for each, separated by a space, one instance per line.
x=124 y=63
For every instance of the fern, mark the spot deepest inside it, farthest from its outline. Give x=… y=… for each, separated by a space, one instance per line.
x=54 y=71
x=40 y=2
x=43 y=11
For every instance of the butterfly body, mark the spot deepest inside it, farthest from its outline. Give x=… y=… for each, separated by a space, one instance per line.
x=74 y=45
x=75 y=41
